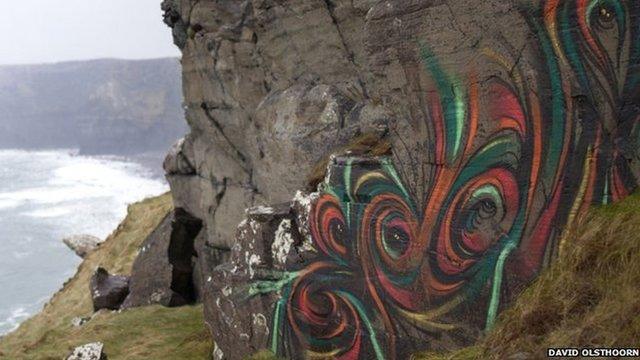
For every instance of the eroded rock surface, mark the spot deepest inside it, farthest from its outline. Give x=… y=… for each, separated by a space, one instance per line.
x=505 y=120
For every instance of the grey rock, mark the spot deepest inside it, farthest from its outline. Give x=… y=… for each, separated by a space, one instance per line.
x=259 y=253
x=163 y=271
x=297 y=128
x=177 y=162
x=79 y=321
x=108 y=291
x=92 y=351
x=173 y=19
x=82 y=244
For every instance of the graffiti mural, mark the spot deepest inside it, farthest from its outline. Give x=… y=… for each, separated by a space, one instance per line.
x=514 y=160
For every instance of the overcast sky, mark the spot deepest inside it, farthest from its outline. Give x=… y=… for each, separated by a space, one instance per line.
x=43 y=31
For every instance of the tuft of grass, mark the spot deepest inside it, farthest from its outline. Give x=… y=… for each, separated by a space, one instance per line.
x=263 y=355
x=589 y=297
x=142 y=333
x=367 y=144
x=468 y=353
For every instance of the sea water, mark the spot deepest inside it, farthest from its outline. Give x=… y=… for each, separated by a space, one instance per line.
x=45 y=196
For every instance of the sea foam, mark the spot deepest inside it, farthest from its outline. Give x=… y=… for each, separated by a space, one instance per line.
x=45 y=196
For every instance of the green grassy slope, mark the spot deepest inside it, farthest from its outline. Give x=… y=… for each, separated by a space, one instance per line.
x=145 y=333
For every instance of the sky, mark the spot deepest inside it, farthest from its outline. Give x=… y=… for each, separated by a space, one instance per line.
x=45 y=31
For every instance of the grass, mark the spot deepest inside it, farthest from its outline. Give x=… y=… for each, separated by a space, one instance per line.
x=263 y=355
x=143 y=333
x=590 y=297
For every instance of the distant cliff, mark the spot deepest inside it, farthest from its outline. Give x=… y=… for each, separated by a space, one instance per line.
x=101 y=106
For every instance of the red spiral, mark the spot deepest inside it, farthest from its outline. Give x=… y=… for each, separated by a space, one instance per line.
x=328 y=226
x=322 y=317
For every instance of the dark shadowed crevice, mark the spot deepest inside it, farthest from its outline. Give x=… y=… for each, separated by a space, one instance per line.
x=185 y=229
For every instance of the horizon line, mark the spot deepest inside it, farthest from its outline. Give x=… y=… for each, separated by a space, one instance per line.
x=58 y=62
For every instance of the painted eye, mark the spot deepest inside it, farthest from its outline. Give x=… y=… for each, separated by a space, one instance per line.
x=338 y=230
x=396 y=241
x=605 y=17
x=487 y=209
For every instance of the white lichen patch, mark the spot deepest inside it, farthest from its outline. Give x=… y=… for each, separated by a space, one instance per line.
x=242 y=224
x=260 y=323
x=254 y=226
x=331 y=112
x=305 y=200
x=304 y=203
x=88 y=351
x=236 y=247
x=243 y=229
x=252 y=260
x=283 y=242
x=265 y=210
x=227 y=291
x=327 y=177
x=156 y=296
x=217 y=352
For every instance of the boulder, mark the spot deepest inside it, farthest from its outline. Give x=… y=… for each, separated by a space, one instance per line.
x=92 y=351
x=108 y=291
x=79 y=321
x=82 y=244
x=163 y=270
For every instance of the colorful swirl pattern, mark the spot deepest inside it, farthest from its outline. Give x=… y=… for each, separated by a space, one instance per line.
x=386 y=269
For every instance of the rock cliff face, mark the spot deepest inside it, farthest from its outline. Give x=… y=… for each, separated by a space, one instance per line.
x=503 y=119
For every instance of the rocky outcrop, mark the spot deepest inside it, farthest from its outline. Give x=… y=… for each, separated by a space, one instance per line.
x=82 y=244
x=268 y=241
x=163 y=270
x=504 y=121
x=108 y=291
x=256 y=131
x=92 y=351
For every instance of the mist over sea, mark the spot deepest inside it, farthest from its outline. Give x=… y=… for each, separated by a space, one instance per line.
x=45 y=196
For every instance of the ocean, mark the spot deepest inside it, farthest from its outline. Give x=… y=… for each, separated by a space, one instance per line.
x=45 y=196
